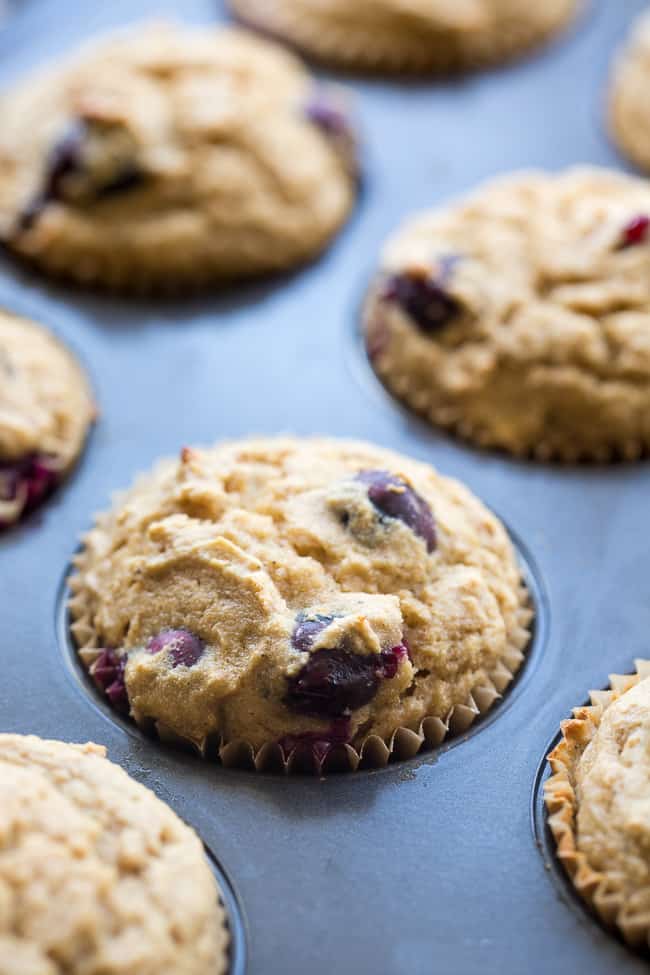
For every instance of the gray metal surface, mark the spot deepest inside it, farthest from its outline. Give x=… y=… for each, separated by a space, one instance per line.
x=430 y=866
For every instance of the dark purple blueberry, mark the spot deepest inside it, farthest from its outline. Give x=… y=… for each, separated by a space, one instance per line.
x=184 y=648
x=32 y=478
x=66 y=159
x=108 y=674
x=330 y=117
x=394 y=498
x=424 y=296
x=333 y=683
x=307 y=629
x=129 y=177
x=635 y=232
x=320 y=743
x=391 y=659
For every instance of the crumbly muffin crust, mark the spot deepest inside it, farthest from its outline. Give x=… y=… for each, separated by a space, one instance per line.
x=519 y=317
x=46 y=408
x=97 y=875
x=410 y=35
x=628 y=109
x=598 y=799
x=166 y=157
x=304 y=610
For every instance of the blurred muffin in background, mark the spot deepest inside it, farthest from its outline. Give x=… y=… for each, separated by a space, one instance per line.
x=410 y=35
x=166 y=157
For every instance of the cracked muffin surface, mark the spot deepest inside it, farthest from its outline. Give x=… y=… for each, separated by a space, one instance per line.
x=97 y=875
x=410 y=35
x=628 y=109
x=599 y=802
x=46 y=408
x=167 y=157
x=287 y=590
x=519 y=316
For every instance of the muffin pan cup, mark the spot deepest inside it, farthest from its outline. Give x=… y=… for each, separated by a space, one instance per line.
x=428 y=864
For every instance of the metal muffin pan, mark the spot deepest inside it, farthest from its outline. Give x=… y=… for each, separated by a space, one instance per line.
x=431 y=865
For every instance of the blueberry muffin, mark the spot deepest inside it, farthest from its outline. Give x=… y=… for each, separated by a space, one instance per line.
x=629 y=112
x=410 y=35
x=170 y=157
x=280 y=595
x=46 y=408
x=519 y=316
x=598 y=800
x=97 y=876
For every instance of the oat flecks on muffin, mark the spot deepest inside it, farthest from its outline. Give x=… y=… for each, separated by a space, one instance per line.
x=168 y=156
x=46 y=408
x=410 y=35
x=97 y=875
x=519 y=316
x=598 y=800
x=628 y=109
x=285 y=590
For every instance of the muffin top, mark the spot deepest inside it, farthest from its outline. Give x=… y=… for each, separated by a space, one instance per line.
x=45 y=411
x=535 y=289
x=270 y=589
x=629 y=112
x=410 y=35
x=97 y=876
x=168 y=156
x=599 y=799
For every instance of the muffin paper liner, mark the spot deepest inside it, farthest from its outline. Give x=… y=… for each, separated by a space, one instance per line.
x=314 y=756
x=449 y=51
x=602 y=892
x=449 y=417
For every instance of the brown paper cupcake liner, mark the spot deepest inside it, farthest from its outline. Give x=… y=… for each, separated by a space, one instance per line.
x=451 y=51
x=602 y=892
x=449 y=417
x=314 y=756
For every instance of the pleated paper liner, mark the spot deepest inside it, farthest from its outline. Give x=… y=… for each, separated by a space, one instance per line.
x=316 y=757
x=398 y=48
x=563 y=449
x=602 y=892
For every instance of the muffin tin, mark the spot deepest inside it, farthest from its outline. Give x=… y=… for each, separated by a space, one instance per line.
x=428 y=865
